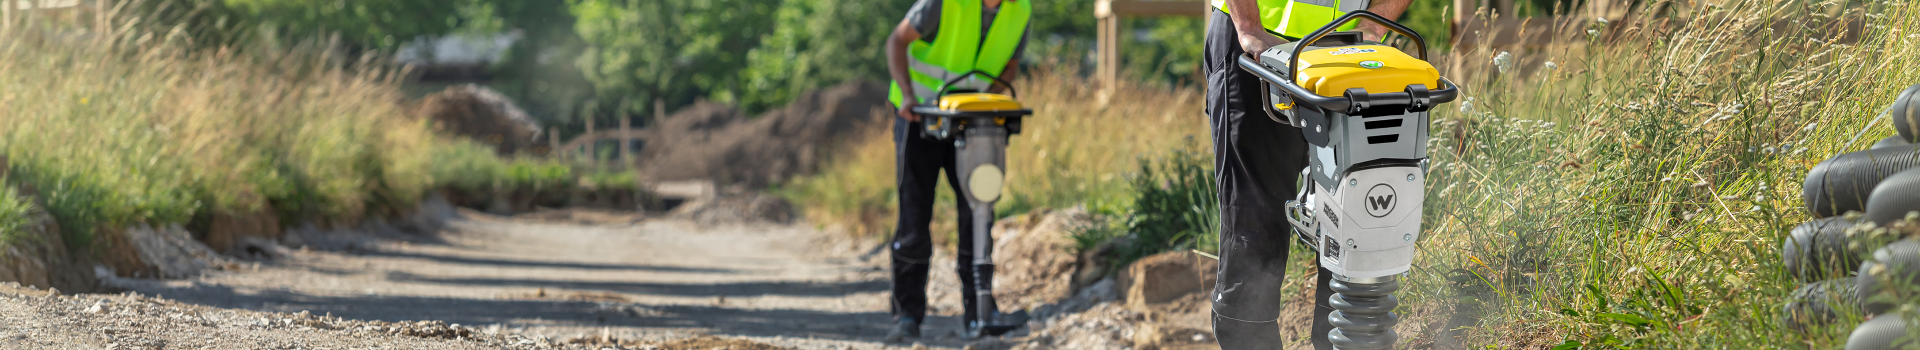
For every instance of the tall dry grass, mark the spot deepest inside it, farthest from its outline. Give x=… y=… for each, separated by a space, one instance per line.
x=1079 y=147
x=125 y=125
x=1634 y=193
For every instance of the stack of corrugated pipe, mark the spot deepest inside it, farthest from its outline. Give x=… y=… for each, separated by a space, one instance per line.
x=1860 y=254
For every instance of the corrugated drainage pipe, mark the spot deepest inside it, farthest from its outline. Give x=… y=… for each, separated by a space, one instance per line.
x=1842 y=183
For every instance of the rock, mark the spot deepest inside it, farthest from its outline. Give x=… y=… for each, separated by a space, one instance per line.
x=1033 y=255
x=1165 y=277
x=169 y=251
x=229 y=230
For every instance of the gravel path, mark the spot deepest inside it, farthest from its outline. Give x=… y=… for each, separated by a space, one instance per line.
x=489 y=282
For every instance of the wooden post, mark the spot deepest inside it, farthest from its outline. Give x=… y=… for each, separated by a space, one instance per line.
x=1109 y=31
x=591 y=157
x=659 y=110
x=1107 y=69
x=1462 y=15
x=626 y=125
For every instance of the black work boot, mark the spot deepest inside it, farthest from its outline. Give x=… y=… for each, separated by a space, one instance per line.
x=996 y=324
x=1238 y=335
x=907 y=329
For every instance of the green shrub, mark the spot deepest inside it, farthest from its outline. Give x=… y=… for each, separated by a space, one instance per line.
x=1176 y=206
x=15 y=214
x=130 y=128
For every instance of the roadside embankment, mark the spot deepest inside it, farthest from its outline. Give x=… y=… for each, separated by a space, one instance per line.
x=118 y=147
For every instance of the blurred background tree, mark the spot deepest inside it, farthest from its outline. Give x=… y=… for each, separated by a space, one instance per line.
x=672 y=50
x=818 y=43
x=369 y=24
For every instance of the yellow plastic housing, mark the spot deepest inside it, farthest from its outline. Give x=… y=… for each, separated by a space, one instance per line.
x=1378 y=69
x=979 y=102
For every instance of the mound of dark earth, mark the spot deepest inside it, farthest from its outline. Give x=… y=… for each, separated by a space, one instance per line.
x=479 y=113
x=718 y=142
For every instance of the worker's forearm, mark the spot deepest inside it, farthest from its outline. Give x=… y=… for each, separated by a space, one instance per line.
x=897 y=67
x=1245 y=15
x=1007 y=74
x=1391 y=9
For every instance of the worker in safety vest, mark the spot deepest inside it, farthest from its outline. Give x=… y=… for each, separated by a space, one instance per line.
x=938 y=41
x=1256 y=163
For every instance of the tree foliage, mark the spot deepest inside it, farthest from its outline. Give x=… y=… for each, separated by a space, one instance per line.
x=672 y=50
x=368 y=24
x=540 y=71
x=818 y=43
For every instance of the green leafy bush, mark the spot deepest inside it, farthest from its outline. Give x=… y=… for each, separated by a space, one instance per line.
x=15 y=214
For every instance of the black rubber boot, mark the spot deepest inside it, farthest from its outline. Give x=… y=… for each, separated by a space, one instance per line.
x=1241 y=335
x=997 y=324
x=907 y=329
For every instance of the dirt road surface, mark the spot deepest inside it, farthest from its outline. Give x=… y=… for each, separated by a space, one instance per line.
x=633 y=281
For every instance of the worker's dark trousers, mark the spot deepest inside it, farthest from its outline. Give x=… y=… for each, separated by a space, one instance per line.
x=1256 y=161
x=918 y=164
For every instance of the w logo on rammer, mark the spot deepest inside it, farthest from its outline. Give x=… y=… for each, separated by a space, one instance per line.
x=1379 y=200
x=1380 y=203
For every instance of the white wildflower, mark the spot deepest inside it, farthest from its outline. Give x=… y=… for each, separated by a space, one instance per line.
x=1466 y=107
x=1602 y=20
x=1551 y=65
x=1633 y=106
x=1724 y=112
x=1504 y=61
x=1593 y=32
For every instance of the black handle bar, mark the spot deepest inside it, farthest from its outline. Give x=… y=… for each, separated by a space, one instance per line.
x=1417 y=97
x=1311 y=38
x=949 y=84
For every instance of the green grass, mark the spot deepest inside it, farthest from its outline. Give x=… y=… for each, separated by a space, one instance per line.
x=1636 y=196
x=145 y=127
x=125 y=129
x=15 y=214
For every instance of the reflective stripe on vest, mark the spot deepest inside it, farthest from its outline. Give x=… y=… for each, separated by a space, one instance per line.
x=957 y=48
x=1297 y=18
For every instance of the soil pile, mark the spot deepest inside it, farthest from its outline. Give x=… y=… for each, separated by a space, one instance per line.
x=1034 y=257
x=39 y=257
x=479 y=113
x=714 y=141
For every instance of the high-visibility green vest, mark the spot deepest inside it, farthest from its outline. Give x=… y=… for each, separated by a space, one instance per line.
x=957 y=48
x=1297 y=18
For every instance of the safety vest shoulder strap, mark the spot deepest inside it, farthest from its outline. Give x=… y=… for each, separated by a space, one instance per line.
x=960 y=48
x=1297 y=18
